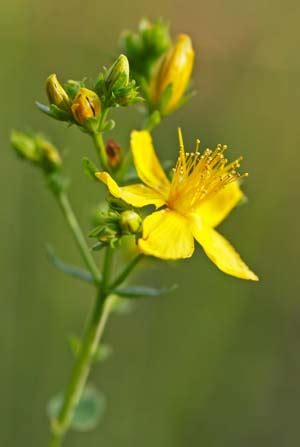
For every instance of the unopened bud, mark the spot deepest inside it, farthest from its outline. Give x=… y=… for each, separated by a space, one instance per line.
x=130 y=221
x=85 y=105
x=37 y=149
x=25 y=146
x=50 y=154
x=174 y=70
x=118 y=74
x=56 y=93
x=114 y=153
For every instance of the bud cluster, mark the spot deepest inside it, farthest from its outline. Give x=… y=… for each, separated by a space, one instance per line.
x=77 y=104
x=36 y=149
x=162 y=68
x=114 y=224
x=115 y=87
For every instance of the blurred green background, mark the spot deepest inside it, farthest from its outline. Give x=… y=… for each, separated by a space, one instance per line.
x=218 y=363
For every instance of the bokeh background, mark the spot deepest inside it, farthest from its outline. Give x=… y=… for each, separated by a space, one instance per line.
x=218 y=362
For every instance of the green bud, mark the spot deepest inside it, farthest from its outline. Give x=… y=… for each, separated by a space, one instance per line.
x=50 y=155
x=37 y=149
x=118 y=75
x=130 y=221
x=56 y=94
x=25 y=146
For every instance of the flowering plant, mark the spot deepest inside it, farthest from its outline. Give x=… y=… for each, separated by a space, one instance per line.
x=161 y=213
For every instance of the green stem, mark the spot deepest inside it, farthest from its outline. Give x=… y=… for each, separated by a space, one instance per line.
x=127 y=270
x=99 y=142
x=78 y=235
x=84 y=360
x=101 y=150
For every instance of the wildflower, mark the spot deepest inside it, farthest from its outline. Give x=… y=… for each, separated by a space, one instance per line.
x=172 y=76
x=203 y=190
x=85 y=105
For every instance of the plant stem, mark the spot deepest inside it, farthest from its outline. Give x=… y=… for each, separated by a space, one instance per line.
x=101 y=150
x=127 y=270
x=78 y=235
x=84 y=360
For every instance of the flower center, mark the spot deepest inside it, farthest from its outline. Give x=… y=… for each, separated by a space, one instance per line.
x=198 y=177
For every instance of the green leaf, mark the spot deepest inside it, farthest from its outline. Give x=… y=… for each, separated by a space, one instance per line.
x=68 y=269
x=90 y=168
x=54 y=112
x=89 y=410
x=141 y=291
x=99 y=245
x=102 y=353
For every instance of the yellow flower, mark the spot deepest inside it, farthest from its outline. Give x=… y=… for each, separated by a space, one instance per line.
x=86 y=105
x=203 y=191
x=173 y=70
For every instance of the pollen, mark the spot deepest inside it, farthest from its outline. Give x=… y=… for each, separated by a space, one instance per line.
x=199 y=176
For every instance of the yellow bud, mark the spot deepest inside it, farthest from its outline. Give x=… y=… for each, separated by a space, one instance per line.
x=56 y=94
x=174 y=69
x=130 y=221
x=86 y=105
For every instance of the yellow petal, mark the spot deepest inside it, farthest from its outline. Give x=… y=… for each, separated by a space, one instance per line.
x=147 y=164
x=166 y=235
x=136 y=195
x=214 y=210
x=221 y=252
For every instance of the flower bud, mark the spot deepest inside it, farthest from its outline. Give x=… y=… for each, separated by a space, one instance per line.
x=56 y=94
x=173 y=71
x=118 y=74
x=114 y=153
x=51 y=158
x=37 y=149
x=25 y=146
x=86 y=105
x=130 y=221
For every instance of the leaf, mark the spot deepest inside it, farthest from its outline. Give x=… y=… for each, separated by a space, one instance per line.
x=68 y=269
x=99 y=245
x=90 y=168
x=54 y=112
x=141 y=291
x=103 y=352
x=88 y=412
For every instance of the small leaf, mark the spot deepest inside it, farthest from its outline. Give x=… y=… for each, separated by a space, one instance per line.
x=68 y=269
x=99 y=245
x=109 y=125
x=102 y=353
x=90 y=168
x=54 y=112
x=141 y=291
x=88 y=412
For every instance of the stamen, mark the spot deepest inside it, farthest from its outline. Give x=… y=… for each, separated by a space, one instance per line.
x=197 y=177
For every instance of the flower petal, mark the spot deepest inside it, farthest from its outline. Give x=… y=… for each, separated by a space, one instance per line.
x=166 y=235
x=147 y=164
x=136 y=195
x=214 y=211
x=221 y=252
